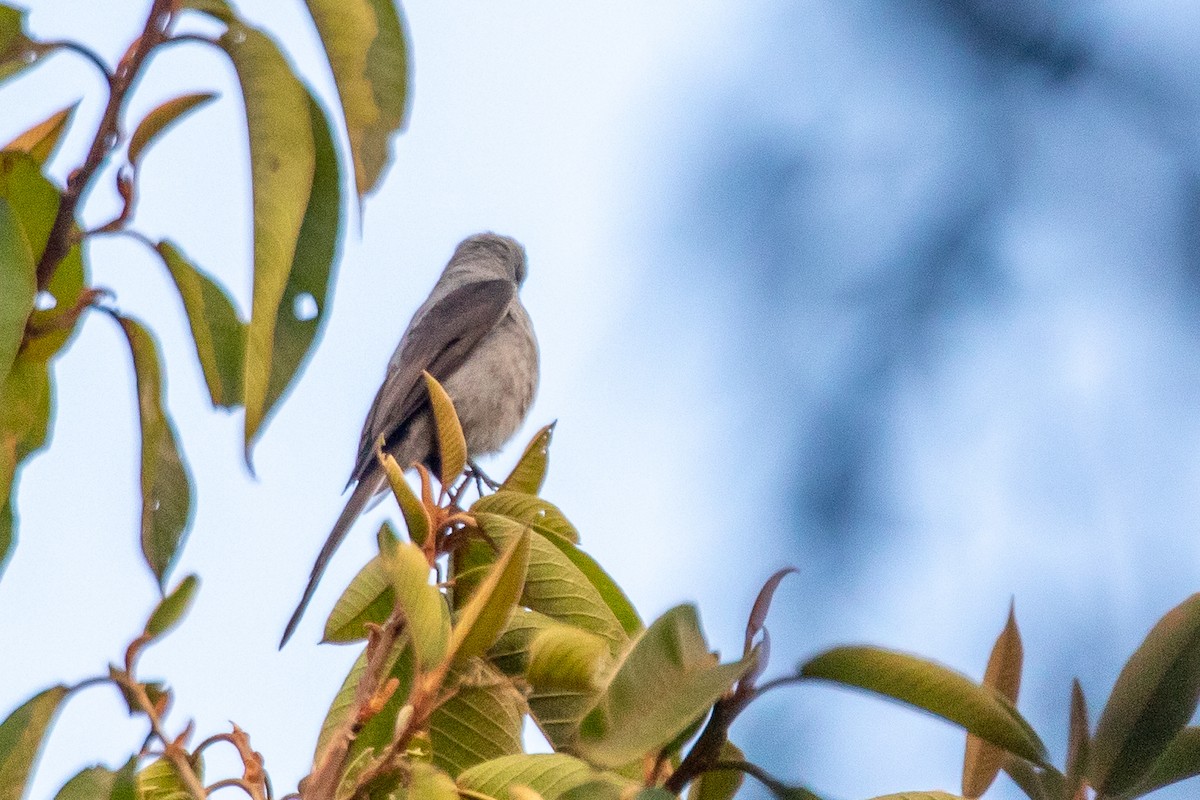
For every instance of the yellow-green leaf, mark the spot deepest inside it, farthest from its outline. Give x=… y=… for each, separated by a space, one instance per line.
x=282 y=165
x=486 y=614
x=982 y=761
x=160 y=780
x=22 y=734
x=301 y=315
x=172 y=607
x=668 y=679
x=18 y=286
x=530 y=472
x=101 y=783
x=528 y=509
x=26 y=394
x=480 y=722
x=425 y=610
x=217 y=332
x=452 y=445
x=1180 y=761
x=932 y=688
x=17 y=51
x=566 y=657
x=719 y=784
x=550 y=775
x=160 y=119
x=217 y=9
x=166 y=483
x=427 y=782
x=1154 y=697
x=368 y=599
x=42 y=139
x=557 y=584
x=416 y=519
x=366 y=48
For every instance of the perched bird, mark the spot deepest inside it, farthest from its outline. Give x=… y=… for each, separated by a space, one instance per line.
x=474 y=336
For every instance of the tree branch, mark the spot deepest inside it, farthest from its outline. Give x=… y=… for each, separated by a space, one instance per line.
x=107 y=137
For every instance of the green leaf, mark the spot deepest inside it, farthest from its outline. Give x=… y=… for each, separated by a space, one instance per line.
x=667 y=680
x=21 y=737
x=719 y=784
x=982 y=761
x=429 y=783
x=931 y=687
x=172 y=607
x=546 y=519
x=557 y=584
x=27 y=394
x=530 y=472
x=217 y=332
x=166 y=483
x=480 y=722
x=25 y=407
x=595 y=790
x=566 y=657
x=368 y=598
x=452 y=445
x=31 y=196
x=159 y=780
x=551 y=776
x=17 y=51
x=18 y=286
x=556 y=711
x=1035 y=783
x=42 y=139
x=367 y=50
x=1154 y=697
x=510 y=653
x=302 y=311
x=425 y=610
x=282 y=166
x=101 y=783
x=217 y=9
x=528 y=509
x=416 y=519
x=486 y=614
x=49 y=330
x=1180 y=761
x=162 y=118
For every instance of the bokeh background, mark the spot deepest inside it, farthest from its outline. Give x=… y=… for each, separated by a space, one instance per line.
x=906 y=294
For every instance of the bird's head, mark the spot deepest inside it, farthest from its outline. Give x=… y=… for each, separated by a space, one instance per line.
x=492 y=251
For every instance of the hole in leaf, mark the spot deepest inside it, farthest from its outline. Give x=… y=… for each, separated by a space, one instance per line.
x=45 y=301
x=304 y=306
x=238 y=37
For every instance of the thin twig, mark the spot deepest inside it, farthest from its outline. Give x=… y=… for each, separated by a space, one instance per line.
x=776 y=683
x=107 y=137
x=86 y=52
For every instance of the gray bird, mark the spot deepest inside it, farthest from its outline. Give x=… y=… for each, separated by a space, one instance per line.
x=474 y=336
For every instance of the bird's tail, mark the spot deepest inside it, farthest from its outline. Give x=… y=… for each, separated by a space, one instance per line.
x=357 y=501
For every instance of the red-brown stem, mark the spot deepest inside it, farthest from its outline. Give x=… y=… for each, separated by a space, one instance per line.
x=105 y=141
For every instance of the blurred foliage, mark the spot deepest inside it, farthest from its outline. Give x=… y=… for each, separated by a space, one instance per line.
x=525 y=625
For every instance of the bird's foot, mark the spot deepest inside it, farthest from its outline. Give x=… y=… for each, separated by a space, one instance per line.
x=474 y=473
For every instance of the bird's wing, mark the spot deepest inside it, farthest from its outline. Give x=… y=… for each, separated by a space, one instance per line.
x=439 y=343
